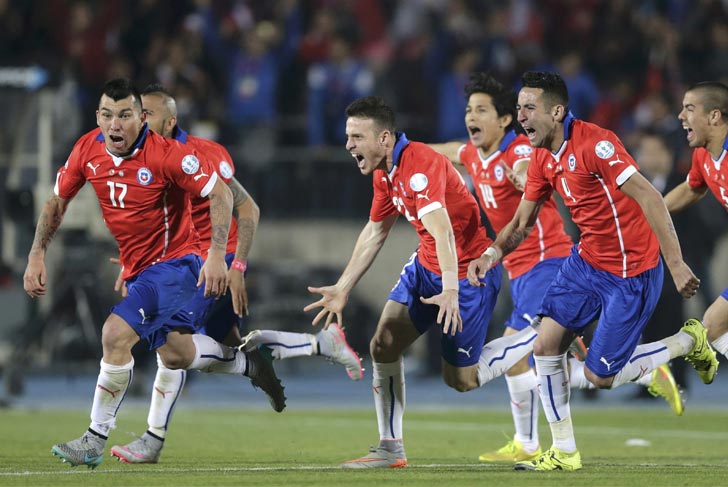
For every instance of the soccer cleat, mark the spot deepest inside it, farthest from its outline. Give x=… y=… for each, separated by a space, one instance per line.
x=552 y=459
x=513 y=451
x=86 y=450
x=578 y=349
x=340 y=350
x=250 y=342
x=702 y=356
x=263 y=376
x=145 y=449
x=378 y=458
x=663 y=384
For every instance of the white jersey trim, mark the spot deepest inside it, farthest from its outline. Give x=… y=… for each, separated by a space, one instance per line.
x=616 y=219
x=625 y=175
x=435 y=205
x=210 y=184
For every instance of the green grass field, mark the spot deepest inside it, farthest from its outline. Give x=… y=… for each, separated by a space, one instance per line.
x=227 y=447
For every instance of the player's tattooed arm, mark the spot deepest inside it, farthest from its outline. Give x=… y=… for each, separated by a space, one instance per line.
x=220 y=213
x=49 y=221
x=247 y=215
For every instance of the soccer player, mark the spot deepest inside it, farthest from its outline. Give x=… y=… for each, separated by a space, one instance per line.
x=220 y=319
x=411 y=179
x=497 y=157
x=142 y=182
x=614 y=274
x=704 y=115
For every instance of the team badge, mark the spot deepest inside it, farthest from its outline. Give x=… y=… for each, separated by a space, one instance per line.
x=144 y=176
x=226 y=170
x=523 y=150
x=190 y=164
x=572 y=162
x=418 y=182
x=604 y=149
x=498 y=171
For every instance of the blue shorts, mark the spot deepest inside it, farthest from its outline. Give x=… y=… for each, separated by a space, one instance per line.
x=215 y=318
x=476 y=307
x=724 y=294
x=581 y=294
x=527 y=291
x=157 y=299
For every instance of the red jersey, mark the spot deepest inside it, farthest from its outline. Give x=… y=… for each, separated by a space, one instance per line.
x=710 y=173
x=144 y=197
x=499 y=200
x=587 y=171
x=420 y=182
x=222 y=161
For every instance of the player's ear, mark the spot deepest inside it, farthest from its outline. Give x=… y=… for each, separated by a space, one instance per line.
x=558 y=112
x=383 y=137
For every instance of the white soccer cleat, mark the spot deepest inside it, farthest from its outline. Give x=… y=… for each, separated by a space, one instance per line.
x=340 y=351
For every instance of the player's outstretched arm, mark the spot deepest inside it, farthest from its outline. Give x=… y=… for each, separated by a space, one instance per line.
x=449 y=149
x=247 y=214
x=653 y=206
x=334 y=298
x=508 y=239
x=214 y=271
x=51 y=216
x=439 y=226
x=682 y=196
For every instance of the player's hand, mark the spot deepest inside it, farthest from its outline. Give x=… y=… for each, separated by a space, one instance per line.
x=214 y=274
x=120 y=284
x=332 y=301
x=477 y=269
x=238 y=291
x=449 y=314
x=517 y=179
x=685 y=281
x=34 y=279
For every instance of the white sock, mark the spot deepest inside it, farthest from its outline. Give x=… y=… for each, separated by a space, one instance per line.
x=168 y=385
x=523 y=389
x=214 y=357
x=503 y=353
x=389 y=398
x=285 y=344
x=553 y=382
x=577 y=378
x=720 y=344
x=111 y=387
x=644 y=360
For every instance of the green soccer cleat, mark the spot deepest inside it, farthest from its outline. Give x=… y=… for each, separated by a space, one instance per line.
x=552 y=459
x=702 y=356
x=663 y=385
x=513 y=451
x=87 y=450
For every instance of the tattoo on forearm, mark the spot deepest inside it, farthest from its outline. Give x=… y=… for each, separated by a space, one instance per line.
x=48 y=223
x=513 y=241
x=220 y=218
x=246 y=232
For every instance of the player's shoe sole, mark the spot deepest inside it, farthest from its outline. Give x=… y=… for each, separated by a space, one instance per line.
x=663 y=385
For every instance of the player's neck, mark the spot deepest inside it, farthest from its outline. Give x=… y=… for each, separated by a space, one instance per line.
x=486 y=151
x=557 y=138
x=715 y=144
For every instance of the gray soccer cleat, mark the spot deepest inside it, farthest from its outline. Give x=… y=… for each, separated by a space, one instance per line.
x=378 y=458
x=264 y=376
x=87 y=450
x=145 y=449
x=340 y=351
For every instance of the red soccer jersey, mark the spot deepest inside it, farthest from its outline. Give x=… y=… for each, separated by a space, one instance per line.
x=422 y=181
x=220 y=157
x=713 y=174
x=499 y=200
x=587 y=171
x=144 y=197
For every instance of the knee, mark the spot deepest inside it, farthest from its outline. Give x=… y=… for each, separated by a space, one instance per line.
x=380 y=348
x=117 y=337
x=173 y=360
x=600 y=382
x=461 y=379
x=539 y=349
x=459 y=384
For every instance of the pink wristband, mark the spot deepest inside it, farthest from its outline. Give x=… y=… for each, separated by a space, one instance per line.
x=239 y=265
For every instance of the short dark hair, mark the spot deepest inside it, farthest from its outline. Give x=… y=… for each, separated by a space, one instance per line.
x=156 y=88
x=120 y=88
x=714 y=96
x=553 y=86
x=504 y=100
x=374 y=108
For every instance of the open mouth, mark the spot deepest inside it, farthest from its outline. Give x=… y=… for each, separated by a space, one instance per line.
x=359 y=159
x=690 y=133
x=474 y=131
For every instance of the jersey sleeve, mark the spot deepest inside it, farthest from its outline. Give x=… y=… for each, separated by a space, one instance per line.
x=225 y=165
x=695 y=178
x=537 y=186
x=190 y=169
x=70 y=177
x=430 y=185
x=463 y=153
x=382 y=205
x=610 y=159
